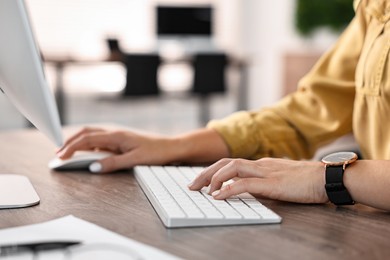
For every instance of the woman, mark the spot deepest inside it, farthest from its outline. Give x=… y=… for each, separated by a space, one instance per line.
x=348 y=90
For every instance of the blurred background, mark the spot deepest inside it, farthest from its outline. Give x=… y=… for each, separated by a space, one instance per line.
x=171 y=65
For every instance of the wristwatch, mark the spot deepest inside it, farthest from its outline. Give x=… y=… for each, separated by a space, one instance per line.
x=335 y=165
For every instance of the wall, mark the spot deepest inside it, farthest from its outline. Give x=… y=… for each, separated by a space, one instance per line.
x=267 y=33
x=79 y=28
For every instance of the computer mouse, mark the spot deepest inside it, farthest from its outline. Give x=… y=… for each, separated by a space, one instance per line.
x=79 y=161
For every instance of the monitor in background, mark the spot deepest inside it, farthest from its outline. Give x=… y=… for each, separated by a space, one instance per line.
x=187 y=21
x=22 y=81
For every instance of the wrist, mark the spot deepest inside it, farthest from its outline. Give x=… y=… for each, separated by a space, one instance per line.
x=320 y=194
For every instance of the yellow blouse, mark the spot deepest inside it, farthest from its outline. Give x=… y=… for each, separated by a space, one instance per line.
x=348 y=90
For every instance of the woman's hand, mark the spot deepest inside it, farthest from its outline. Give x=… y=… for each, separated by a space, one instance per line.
x=279 y=179
x=134 y=148
x=130 y=148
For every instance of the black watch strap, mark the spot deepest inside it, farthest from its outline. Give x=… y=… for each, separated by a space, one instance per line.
x=335 y=189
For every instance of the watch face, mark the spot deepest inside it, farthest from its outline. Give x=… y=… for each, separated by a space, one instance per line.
x=339 y=158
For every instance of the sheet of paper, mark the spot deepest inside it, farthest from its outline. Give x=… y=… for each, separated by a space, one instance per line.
x=97 y=242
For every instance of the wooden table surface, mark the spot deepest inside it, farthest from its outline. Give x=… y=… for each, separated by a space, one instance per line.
x=116 y=202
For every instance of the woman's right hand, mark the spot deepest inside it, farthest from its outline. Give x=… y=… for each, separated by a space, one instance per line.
x=129 y=148
x=132 y=148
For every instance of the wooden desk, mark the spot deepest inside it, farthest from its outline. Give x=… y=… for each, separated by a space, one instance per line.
x=116 y=202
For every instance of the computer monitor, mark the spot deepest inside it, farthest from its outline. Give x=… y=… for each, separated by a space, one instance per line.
x=186 y=21
x=22 y=81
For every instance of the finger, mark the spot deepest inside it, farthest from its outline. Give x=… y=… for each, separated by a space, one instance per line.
x=204 y=178
x=236 y=168
x=111 y=164
x=74 y=137
x=83 y=131
x=263 y=187
x=88 y=142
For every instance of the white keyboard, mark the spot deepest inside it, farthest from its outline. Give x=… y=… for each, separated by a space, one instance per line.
x=177 y=206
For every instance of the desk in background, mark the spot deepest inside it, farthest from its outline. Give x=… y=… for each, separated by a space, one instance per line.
x=60 y=63
x=116 y=202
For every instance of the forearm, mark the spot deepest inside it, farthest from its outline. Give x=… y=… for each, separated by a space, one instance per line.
x=200 y=146
x=368 y=182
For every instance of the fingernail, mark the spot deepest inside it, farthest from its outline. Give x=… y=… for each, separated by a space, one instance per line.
x=95 y=167
x=190 y=184
x=216 y=193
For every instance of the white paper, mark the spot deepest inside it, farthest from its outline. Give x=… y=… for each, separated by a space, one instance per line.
x=97 y=242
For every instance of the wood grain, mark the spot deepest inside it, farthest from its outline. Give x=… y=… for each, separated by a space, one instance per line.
x=116 y=202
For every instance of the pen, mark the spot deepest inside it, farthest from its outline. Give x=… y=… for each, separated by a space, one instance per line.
x=35 y=246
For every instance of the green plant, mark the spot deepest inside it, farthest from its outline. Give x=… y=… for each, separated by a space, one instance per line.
x=313 y=14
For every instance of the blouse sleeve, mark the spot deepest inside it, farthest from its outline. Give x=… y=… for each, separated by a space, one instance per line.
x=317 y=113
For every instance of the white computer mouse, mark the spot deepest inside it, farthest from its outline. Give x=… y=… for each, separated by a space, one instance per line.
x=79 y=161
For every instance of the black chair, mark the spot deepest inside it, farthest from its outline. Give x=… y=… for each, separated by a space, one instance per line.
x=141 y=79
x=209 y=78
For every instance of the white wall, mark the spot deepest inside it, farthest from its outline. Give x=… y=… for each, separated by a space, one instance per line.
x=267 y=33
x=79 y=28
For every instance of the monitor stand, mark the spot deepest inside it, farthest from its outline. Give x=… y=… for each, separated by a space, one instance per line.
x=16 y=191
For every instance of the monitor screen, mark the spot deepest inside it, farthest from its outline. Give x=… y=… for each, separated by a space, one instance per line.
x=184 y=21
x=21 y=73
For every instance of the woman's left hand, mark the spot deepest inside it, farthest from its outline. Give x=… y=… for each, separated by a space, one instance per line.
x=279 y=179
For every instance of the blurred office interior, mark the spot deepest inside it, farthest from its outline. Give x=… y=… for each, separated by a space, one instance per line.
x=265 y=58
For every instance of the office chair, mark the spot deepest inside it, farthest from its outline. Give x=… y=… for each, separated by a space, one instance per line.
x=209 y=78
x=141 y=78
x=116 y=53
